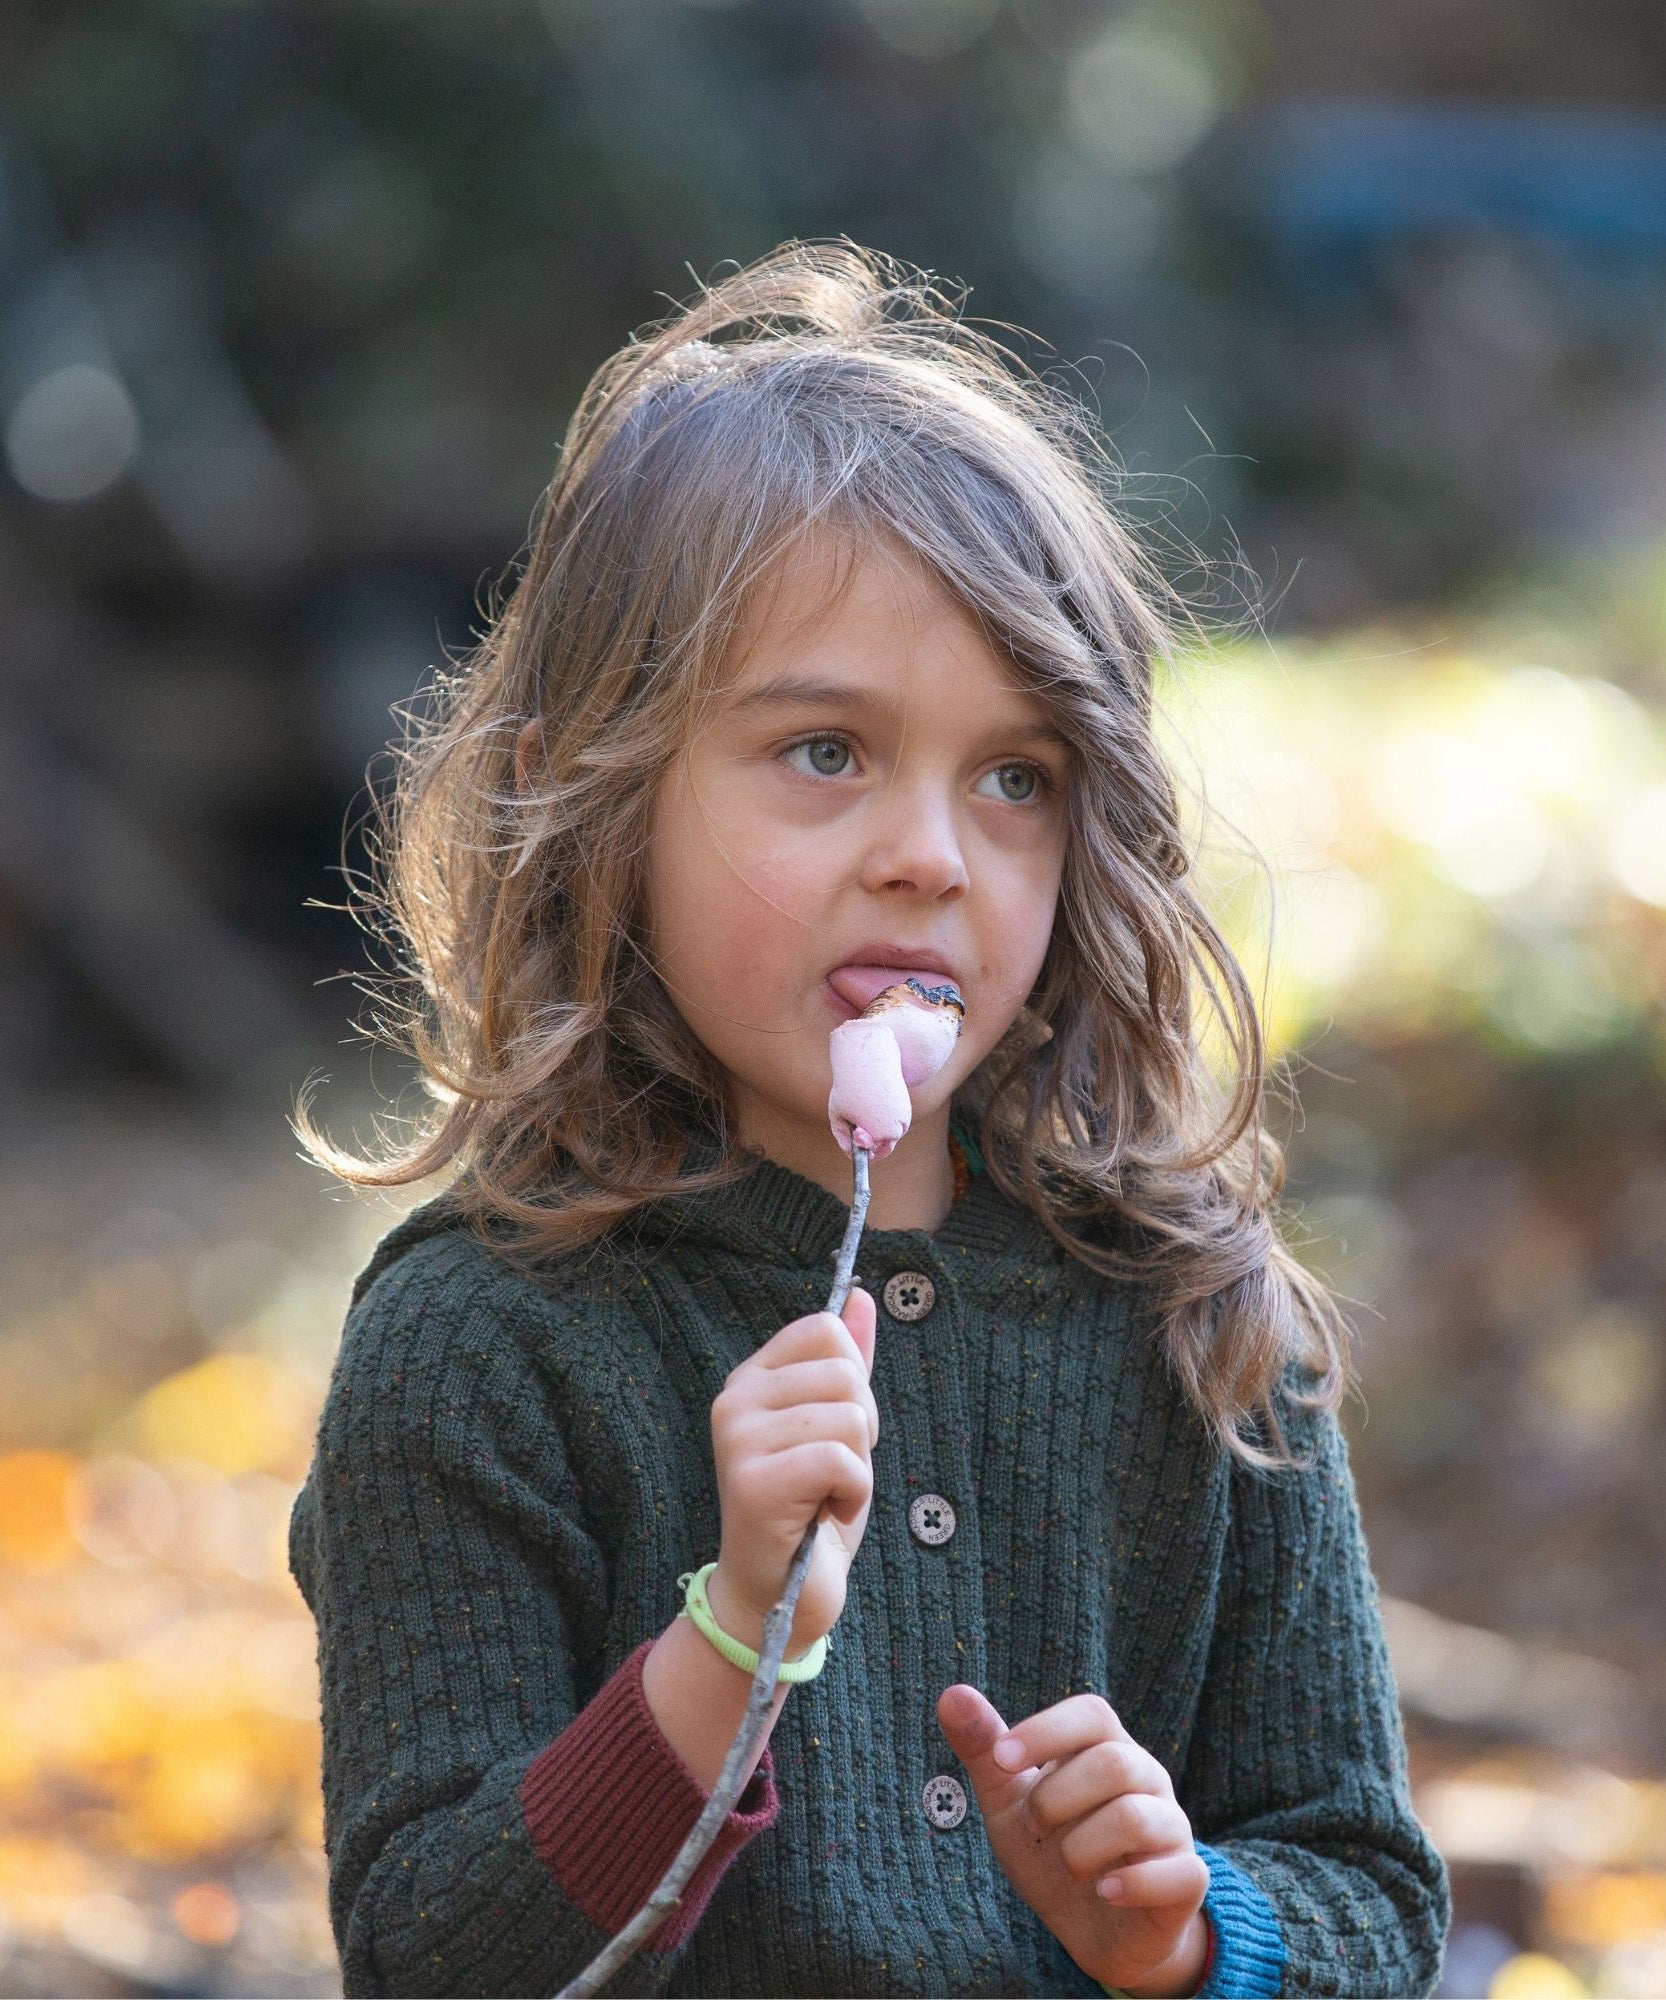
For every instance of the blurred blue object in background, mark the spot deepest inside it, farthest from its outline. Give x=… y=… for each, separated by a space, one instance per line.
x=1332 y=182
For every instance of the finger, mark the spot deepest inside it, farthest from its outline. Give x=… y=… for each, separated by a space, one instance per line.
x=1103 y=1772
x=768 y=1434
x=826 y=1470
x=833 y=1379
x=972 y=1724
x=809 y=1339
x=1063 y=1729
x=1128 y=1829
x=1181 y=1879
x=861 y=1317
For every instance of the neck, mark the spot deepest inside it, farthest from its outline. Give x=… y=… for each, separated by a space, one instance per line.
x=911 y=1188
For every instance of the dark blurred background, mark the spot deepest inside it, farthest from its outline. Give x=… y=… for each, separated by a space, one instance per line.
x=294 y=305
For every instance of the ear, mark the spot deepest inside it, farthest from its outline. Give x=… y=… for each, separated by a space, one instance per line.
x=528 y=745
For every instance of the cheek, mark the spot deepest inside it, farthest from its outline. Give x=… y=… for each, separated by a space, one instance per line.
x=784 y=883
x=1017 y=932
x=765 y=906
x=684 y=878
x=727 y=890
x=1021 y=894
x=736 y=817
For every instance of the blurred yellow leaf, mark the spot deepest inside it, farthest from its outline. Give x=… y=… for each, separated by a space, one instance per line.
x=87 y=1717
x=40 y=1878
x=209 y=1786
x=17 y=1760
x=306 y=1820
x=1530 y=1975
x=1605 y=1907
x=235 y=1412
x=37 y=1499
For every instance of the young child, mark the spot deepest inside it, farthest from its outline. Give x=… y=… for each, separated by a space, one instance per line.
x=830 y=653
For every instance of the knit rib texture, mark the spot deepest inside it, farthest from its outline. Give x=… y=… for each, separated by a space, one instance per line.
x=571 y=1787
x=511 y=1472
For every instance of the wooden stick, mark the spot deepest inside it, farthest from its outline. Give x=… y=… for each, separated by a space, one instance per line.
x=777 y=1630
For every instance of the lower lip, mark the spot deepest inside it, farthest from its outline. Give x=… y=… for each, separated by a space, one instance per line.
x=840 y=1005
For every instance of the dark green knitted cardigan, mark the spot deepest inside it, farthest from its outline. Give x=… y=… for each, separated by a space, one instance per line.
x=510 y=1474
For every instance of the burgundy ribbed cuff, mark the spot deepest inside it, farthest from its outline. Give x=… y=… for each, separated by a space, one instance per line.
x=609 y=1802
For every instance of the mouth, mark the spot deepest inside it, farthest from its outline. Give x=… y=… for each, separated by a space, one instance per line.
x=854 y=988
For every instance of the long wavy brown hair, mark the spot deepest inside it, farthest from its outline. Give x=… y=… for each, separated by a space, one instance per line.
x=826 y=386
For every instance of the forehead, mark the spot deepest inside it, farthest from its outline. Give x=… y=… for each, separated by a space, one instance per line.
x=830 y=616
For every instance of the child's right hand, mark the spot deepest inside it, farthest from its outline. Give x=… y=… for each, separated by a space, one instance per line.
x=794 y=1427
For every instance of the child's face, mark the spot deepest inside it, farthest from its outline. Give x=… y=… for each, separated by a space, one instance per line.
x=794 y=832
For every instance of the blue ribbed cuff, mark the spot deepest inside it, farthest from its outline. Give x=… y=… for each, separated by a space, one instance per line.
x=1249 y=1945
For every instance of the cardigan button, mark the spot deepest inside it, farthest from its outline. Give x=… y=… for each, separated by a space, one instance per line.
x=910 y=1295
x=945 y=1801
x=932 y=1519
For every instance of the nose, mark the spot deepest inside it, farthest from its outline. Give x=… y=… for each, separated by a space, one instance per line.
x=914 y=843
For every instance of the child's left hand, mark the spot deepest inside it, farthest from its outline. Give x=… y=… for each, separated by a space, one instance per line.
x=1086 y=1800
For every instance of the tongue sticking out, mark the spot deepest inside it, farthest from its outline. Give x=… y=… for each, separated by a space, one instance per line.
x=905 y=1034
x=859 y=986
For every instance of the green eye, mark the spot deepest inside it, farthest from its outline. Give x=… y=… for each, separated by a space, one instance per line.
x=1043 y=786
x=1030 y=771
x=822 y=743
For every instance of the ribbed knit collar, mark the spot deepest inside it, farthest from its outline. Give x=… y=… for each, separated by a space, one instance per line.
x=777 y=1215
x=774 y=1213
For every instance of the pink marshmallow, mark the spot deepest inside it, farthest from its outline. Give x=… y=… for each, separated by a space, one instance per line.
x=901 y=1039
x=869 y=1105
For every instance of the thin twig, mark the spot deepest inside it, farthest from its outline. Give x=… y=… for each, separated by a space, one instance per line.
x=743 y=1751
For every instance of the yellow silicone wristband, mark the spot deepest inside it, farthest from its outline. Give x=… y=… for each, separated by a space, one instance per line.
x=699 y=1611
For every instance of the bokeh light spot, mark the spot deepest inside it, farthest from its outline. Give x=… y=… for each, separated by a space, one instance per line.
x=71 y=435
x=207 y=1913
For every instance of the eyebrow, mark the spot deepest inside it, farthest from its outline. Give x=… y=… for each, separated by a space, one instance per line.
x=787 y=692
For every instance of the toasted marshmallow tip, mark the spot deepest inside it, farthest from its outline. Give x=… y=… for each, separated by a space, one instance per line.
x=912 y=991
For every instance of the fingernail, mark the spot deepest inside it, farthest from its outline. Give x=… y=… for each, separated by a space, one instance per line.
x=1009 y=1753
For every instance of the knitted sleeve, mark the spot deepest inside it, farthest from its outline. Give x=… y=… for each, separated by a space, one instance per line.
x=1322 y=1879
x=486 y=1831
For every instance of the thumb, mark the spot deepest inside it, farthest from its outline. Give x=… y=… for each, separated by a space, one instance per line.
x=972 y=1723
x=861 y=1316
